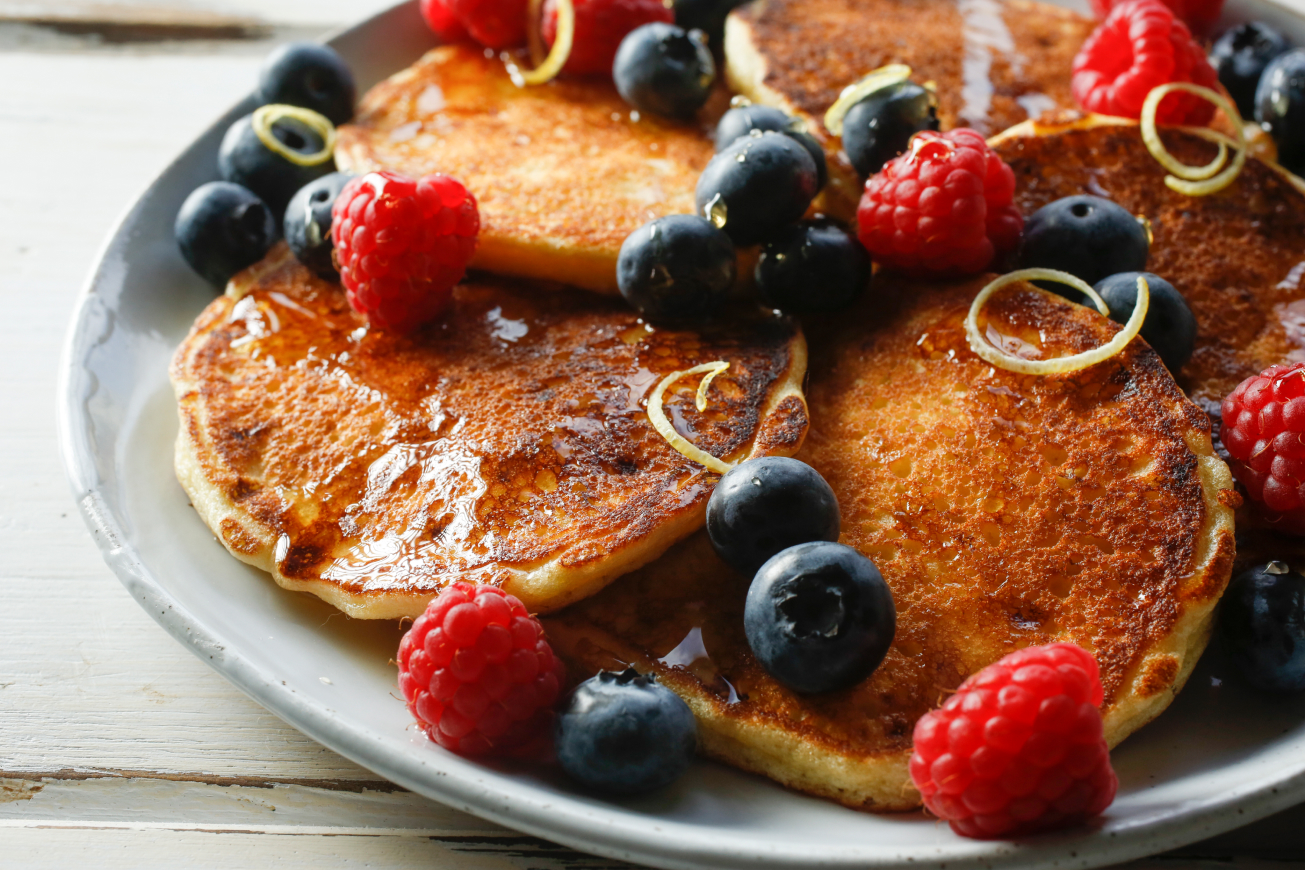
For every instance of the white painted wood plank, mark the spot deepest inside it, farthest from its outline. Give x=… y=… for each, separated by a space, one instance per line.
x=118 y=849
x=297 y=12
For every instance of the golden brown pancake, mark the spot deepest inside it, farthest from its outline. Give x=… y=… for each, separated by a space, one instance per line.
x=1236 y=256
x=1003 y=510
x=562 y=172
x=507 y=443
x=995 y=62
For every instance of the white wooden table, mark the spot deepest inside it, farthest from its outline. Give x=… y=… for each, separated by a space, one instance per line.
x=118 y=748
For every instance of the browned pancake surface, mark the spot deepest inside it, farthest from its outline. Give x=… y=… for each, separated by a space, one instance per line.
x=562 y=172
x=1237 y=256
x=995 y=63
x=507 y=443
x=1003 y=510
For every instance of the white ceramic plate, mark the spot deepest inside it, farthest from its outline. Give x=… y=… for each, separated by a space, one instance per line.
x=1220 y=757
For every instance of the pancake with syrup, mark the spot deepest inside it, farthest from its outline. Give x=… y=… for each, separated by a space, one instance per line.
x=1238 y=256
x=1003 y=510
x=562 y=172
x=994 y=62
x=507 y=443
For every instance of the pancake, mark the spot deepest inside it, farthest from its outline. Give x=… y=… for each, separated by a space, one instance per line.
x=1237 y=256
x=995 y=62
x=562 y=172
x=1003 y=510
x=508 y=443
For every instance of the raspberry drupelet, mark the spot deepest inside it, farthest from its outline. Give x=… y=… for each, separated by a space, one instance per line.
x=1019 y=747
x=600 y=25
x=402 y=245
x=442 y=22
x=943 y=208
x=492 y=23
x=1140 y=46
x=1264 y=434
x=478 y=674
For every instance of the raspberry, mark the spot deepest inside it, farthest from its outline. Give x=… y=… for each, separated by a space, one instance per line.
x=1264 y=434
x=600 y=25
x=403 y=244
x=478 y=674
x=1199 y=15
x=493 y=23
x=942 y=208
x=1019 y=747
x=442 y=21
x=1140 y=46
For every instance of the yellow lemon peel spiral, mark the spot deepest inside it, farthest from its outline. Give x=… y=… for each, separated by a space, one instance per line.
x=1193 y=180
x=860 y=89
x=657 y=415
x=1059 y=365
x=557 y=56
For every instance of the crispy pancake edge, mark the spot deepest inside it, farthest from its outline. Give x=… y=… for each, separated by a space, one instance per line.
x=543 y=588
x=880 y=781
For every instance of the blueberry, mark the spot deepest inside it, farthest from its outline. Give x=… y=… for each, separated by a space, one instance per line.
x=1240 y=56
x=308 y=223
x=819 y=617
x=756 y=186
x=812 y=267
x=245 y=159
x=222 y=228
x=1280 y=106
x=878 y=128
x=1170 y=326
x=309 y=75
x=676 y=268
x=742 y=120
x=623 y=733
x=705 y=15
x=766 y=505
x=1264 y=623
x=664 y=69
x=1086 y=236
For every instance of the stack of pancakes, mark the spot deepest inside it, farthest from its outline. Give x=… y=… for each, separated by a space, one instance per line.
x=509 y=443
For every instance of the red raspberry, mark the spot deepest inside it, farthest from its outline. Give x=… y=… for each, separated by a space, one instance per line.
x=493 y=23
x=1264 y=434
x=942 y=208
x=1199 y=15
x=403 y=244
x=600 y=25
x=1140 y=46
x=443 y=22
x=478 y=674
x=1019 y=747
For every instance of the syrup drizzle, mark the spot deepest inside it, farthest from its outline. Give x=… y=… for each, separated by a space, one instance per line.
x=691 y=655
x=984 y=32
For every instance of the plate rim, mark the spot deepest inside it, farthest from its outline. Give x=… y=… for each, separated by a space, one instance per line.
x=596 y=829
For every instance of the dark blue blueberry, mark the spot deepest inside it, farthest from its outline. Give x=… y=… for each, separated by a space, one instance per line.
x=812 y=267
x=222 y=228
x=245 y=159
x=819 y=617
x=705 y=15
x=1170 y=326
x=1280 y=106
x=1264 y=623
x=878 y=128
x=756 y=186
x=1086 y=236
x=623 y=733
x=676 y=268
x=310 y=75
x=742 y=120
x=766 y=505
x=664 y=69
x=307 y=223
x=1240 y=56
